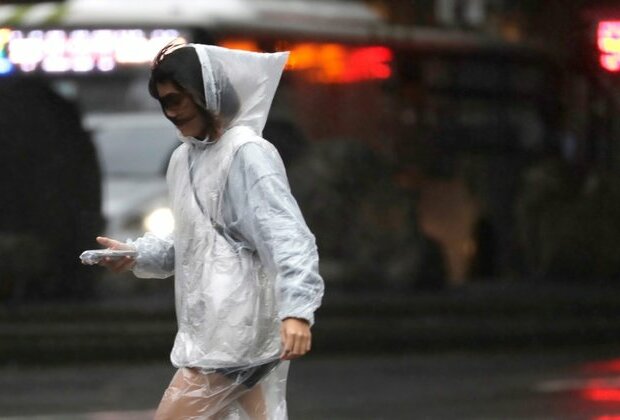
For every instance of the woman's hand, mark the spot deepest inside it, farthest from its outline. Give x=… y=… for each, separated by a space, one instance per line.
x=296 y=338
x=116 y=265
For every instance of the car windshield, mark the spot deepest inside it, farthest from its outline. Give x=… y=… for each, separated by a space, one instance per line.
x=134 y=151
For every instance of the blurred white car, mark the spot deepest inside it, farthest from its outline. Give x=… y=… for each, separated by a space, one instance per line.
x=133 y=151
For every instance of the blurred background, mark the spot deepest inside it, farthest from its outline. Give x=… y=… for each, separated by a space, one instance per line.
x=457 y=160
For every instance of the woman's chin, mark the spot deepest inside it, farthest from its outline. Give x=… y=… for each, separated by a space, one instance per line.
x=191 y=131
x=188 y=133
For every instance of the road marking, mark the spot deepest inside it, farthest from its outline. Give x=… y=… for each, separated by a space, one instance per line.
x=560 y=385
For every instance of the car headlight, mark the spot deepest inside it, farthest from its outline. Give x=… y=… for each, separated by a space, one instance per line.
x=160 y=222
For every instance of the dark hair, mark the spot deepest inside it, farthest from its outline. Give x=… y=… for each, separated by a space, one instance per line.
x=229 y=100
x=179 y=64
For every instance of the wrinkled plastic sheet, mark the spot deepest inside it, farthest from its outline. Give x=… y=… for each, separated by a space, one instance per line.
x=255 y=392
x=94 y=256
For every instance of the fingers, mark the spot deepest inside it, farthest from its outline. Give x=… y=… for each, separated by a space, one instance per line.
x=110 y=243
x=295 y=347
x=299 y=348
x=107 y=242
x=287 y=352
x=295 y=342
x=118 y=265
x=285 y=345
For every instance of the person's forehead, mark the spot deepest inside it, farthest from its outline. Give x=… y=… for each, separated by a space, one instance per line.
x=167 y=87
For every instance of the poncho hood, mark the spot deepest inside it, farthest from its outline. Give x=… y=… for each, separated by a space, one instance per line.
x=239 y=86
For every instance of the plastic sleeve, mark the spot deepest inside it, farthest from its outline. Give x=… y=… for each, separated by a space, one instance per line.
x=263 y=211
x=155 y=257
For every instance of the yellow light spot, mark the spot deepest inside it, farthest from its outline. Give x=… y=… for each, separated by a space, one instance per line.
x=5 y=35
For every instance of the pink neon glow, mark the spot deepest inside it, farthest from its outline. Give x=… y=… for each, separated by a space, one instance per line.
x=608 y=36
x=608 y=41
x=610 y=62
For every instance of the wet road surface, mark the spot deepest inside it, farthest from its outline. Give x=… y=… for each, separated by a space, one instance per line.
x=546 y=384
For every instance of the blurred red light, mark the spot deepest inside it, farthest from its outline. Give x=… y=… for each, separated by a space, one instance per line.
x=605 y=366
x=608 y=36
x=368 y=63
x=329 y=63
x=602 y=394
x=610 y=62
x=608 y=41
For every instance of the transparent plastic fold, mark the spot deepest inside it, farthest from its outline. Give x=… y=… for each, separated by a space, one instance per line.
x=255 y=393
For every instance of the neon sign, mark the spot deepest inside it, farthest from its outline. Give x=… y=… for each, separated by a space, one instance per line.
x=608 y=41
x=330 y=62
x=5 y=64
x=79 y=50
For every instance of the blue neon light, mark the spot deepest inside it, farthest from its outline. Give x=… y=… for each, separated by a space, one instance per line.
x=6 y=66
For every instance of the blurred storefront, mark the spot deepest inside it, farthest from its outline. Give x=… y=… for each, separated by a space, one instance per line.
x=430 y=143
x=516 y=102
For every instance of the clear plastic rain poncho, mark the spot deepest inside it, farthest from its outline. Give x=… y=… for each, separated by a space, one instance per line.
x=242 y=255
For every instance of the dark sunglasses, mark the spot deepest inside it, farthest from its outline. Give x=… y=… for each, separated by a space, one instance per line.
x=172 y=99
